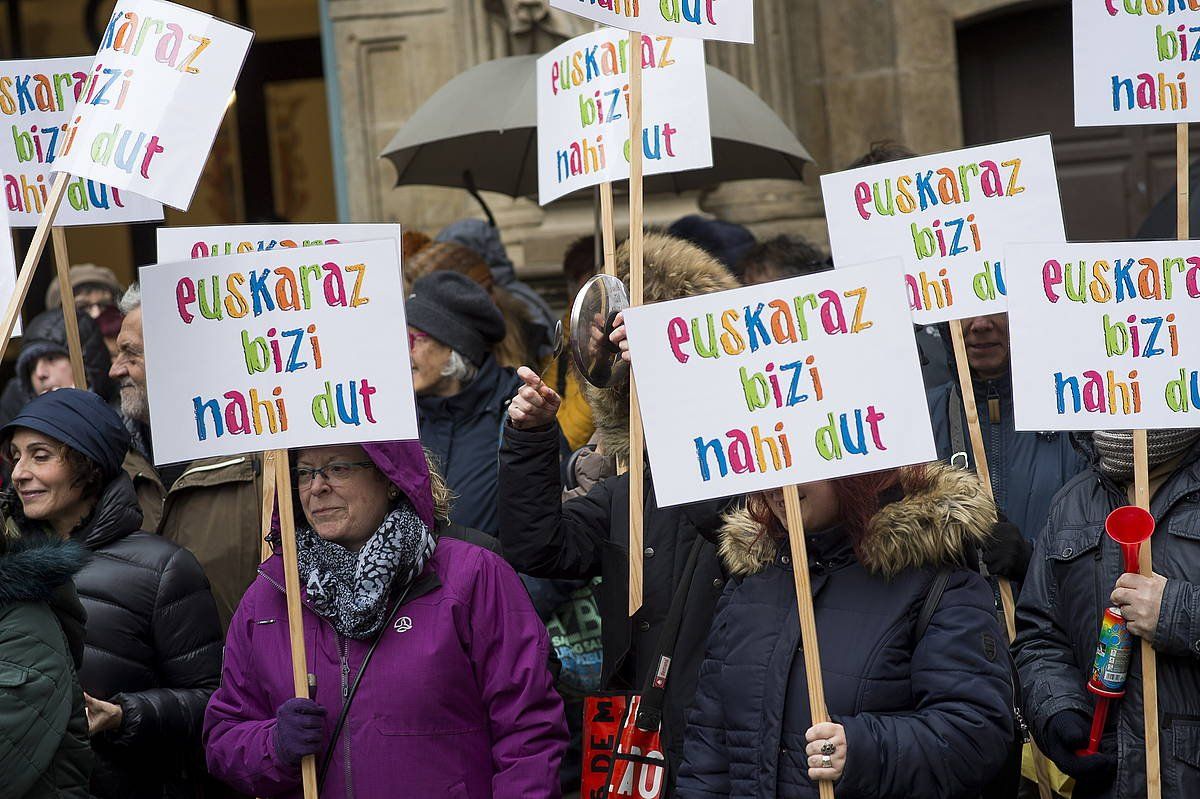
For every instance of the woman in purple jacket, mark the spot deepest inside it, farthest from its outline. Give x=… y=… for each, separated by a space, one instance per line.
x=456 y=699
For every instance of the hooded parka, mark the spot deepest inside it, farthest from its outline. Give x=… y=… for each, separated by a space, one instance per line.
x=588 y=536
x=1027 y=468
x=46 y=334
x=925 y=718
x=1074 y=569
x=153 y=646
x=456 y=700
x=463 y=434
x=44 y=748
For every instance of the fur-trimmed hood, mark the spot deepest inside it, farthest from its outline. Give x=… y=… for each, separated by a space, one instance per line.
x=944 y=509
x=33 y=569
x=672 y=269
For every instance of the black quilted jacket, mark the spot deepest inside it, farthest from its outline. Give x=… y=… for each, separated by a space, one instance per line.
x=153 y=645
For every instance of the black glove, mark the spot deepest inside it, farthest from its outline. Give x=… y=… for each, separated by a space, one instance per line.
x=299 y=730
x=1066 y=733
x=1007 y=553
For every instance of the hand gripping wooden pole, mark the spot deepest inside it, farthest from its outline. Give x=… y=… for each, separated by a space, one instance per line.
x=808 y=621
x=62 y=265
x=979 y=454
x=36 y=247
x=301 y=679
x=636 y=446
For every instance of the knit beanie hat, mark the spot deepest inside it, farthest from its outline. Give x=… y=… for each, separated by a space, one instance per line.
x=1115 y=449
x=86 y=275
x=456 y=311
x=81 y=420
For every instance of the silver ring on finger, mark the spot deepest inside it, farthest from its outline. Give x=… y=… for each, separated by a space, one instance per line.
x=828 y=748
x=826 y=761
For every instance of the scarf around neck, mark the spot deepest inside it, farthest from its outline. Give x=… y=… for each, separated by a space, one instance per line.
x=351 y=589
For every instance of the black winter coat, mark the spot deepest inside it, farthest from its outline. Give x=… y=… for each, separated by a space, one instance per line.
x=925 y=718
x=153 y=646
x=463 y=433
x=1074 y=569
x=589 y=536
x=1027 y=468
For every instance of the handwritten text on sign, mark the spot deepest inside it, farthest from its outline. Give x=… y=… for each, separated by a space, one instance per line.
x=726 y=20
x=583 y=110
x=799 y=380
x=37 y=101
x=948 y=216
x=1105 y=336
x=279 y=349
x=1136 y=61
x=182 y=243
x=163 y=78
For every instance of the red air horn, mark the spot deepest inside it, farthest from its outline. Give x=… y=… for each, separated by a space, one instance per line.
x=1128 y=526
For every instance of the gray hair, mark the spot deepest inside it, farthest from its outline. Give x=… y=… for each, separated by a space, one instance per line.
x=460 y=369
x=131 y=300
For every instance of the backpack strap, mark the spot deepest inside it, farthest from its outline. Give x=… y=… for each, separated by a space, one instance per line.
x=932 y=599
x=654 y=692
x=958 y=438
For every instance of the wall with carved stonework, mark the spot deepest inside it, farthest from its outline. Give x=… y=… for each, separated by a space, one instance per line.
x=842 y=75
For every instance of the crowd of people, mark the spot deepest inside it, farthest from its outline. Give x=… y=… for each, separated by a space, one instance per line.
x=462 y=594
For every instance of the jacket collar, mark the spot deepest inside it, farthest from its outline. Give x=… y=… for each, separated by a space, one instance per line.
x=116 y=515
x=943 y=510
x=488 y=390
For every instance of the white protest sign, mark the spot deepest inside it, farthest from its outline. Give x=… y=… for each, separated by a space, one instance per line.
x=155 y=96
x=1134 y=61
x=583 y=110
x=788 y=382
x=1105 y=336
x=726 y=20
x=37 y=101
x=182 y=243
x=280 y=349
x=949 y=217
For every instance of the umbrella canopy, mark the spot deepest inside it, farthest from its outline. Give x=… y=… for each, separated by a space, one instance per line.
x=480 y=131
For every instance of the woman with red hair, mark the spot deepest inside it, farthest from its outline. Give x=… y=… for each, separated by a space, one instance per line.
x=916 y=673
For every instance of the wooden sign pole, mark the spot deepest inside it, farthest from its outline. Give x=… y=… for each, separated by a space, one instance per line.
x=301 y=679
x=62 y=264
x=979 y=454
x=808 y=621
x=268 y=500
x=607 y=231
x=36 y=247
x=636 y=445
x=1141 y=492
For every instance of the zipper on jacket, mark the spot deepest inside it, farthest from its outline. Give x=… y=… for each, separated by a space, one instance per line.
x=345 y=653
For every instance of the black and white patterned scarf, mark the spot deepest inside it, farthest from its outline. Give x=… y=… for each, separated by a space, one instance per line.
x=351 y=589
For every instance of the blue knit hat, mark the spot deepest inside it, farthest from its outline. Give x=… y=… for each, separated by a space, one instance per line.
x=81 y=420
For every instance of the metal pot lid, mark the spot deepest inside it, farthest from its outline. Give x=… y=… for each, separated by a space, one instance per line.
x=596 y=305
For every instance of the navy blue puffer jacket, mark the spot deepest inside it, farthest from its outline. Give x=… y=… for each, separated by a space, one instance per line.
x=923 y=718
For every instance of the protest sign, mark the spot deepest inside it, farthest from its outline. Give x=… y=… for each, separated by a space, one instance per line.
x=948 y=216
x=153 y=99
x=583 y=106
x=279 y=349
x=37 y=99
x=726 y=20
x=1134 y=61
x=8 y=270
x=1105 y=336
x=182 y=243
x=804 y=379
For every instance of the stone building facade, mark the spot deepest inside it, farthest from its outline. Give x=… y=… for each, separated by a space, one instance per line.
x=841 y=74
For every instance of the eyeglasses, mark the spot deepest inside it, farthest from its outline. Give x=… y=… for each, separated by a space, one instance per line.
x=334 y=473
x=413 y=338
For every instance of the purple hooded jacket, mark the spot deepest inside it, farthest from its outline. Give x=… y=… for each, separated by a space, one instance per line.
x=456 y=702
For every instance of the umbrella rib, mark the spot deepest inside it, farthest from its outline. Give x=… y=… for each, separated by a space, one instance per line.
x=524 y=160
